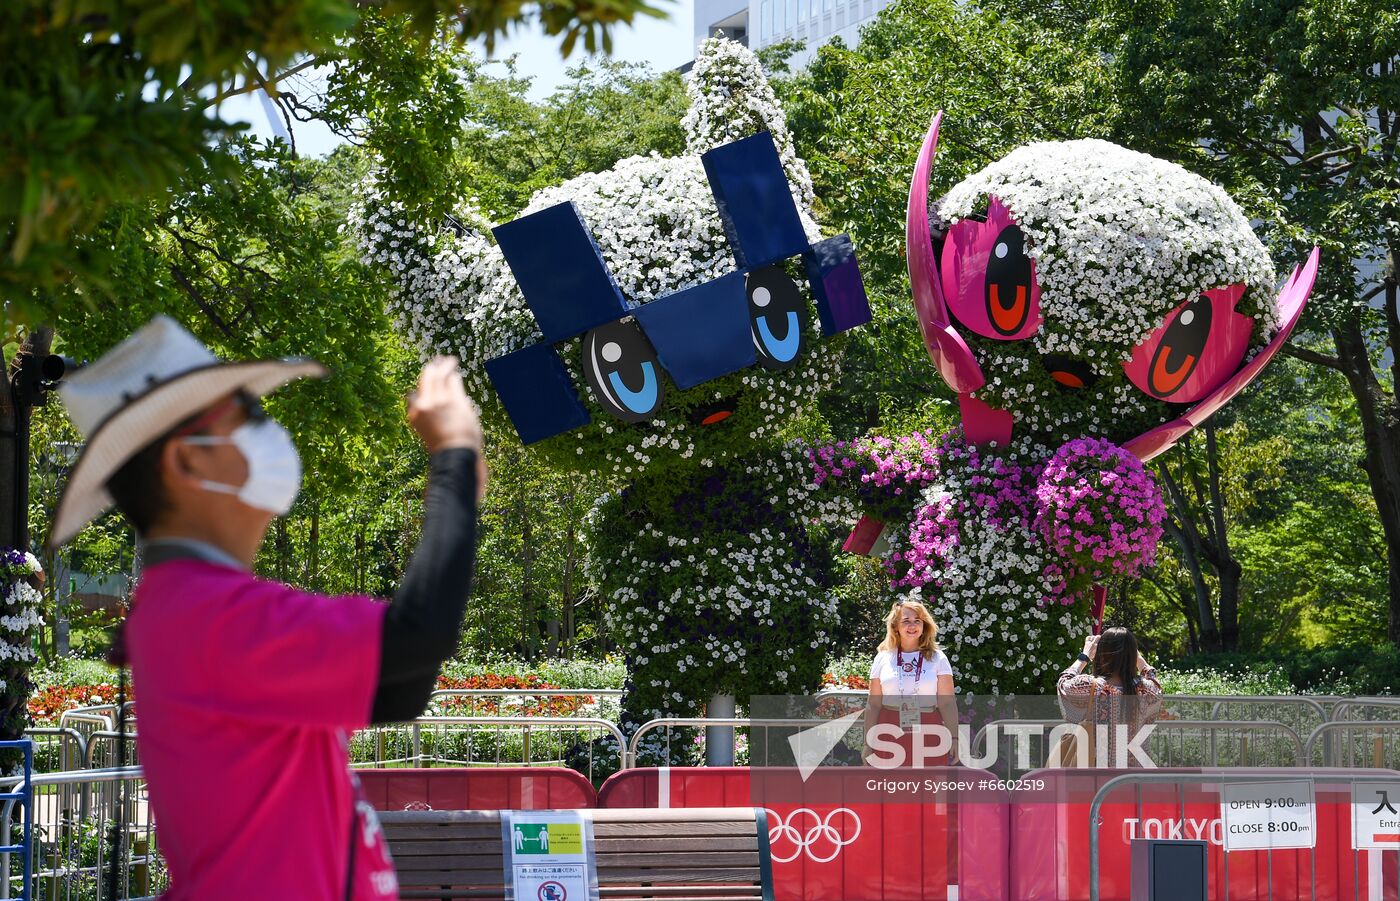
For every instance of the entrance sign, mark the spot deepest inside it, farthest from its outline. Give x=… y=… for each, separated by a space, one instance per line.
x=1375 y=816
x=1260 y=816
x=549 y=856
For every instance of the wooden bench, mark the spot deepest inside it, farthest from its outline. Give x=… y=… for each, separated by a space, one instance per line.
x=694 y=854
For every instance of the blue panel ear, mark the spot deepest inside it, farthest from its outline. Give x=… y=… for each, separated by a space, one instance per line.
x=834 y=274
x=537 y=393
x=560 y=271
x=700 y=333
x=755 y=204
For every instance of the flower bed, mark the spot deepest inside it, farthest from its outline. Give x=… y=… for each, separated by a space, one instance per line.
x=468 y=705
x=848 y=681
x=48 y=704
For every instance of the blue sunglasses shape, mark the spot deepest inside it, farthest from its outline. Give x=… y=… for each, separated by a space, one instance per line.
x=752 y=316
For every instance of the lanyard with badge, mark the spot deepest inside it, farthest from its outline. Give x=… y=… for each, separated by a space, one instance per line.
x=908 y=701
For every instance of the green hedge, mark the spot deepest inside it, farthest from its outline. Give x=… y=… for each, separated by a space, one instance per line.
x=1343 y=670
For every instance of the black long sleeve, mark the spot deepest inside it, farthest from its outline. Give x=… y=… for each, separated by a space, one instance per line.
x=422 y=624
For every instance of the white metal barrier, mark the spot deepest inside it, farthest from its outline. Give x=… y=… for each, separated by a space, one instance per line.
x=493 y=741
x=73 y=813
x=57 y=750
x=1355 y=744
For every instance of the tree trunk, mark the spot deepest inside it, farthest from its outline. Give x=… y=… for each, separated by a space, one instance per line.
x=360 y=561
x=568 y=592
x=284 y=549
x=529 y=626
x=1380 y=424
x=313 y=552
x=1227 y=568
x=14 y=455
x=1184 y=531
x=1193 y=641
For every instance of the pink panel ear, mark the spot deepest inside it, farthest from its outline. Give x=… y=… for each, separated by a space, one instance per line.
x=947 y=349
x=1199 y=345
x=1290 y=303
x=984 y=425
x=988 y=279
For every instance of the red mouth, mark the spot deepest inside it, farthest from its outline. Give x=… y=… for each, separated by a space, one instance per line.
x=1069 y=371
x=717 y=411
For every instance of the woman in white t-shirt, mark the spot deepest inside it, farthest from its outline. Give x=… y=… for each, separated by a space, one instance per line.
x=911 y=682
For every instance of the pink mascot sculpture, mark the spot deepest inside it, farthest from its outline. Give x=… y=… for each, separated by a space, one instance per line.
x=1089 y=305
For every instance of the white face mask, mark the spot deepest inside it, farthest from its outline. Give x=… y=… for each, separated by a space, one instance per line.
x=274 y=469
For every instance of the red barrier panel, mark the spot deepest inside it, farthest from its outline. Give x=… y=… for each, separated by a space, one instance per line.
x=463 y=788
x=831 y=839
x=1050 y=847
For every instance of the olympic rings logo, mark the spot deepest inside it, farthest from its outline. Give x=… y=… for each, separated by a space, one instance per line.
x=819 y=833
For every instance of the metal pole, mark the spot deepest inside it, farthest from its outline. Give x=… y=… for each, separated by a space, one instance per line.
x=719 y=740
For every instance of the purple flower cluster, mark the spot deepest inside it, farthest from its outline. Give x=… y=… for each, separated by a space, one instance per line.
x=1092 y=508
x=13 y=565
x=884 y=474
x=932 y=539
x=1100 y=511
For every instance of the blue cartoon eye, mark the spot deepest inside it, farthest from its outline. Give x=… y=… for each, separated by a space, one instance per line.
x=778 y=317
x=622 y=370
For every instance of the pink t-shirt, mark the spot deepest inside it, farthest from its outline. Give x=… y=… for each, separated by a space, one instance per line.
x=247 y=690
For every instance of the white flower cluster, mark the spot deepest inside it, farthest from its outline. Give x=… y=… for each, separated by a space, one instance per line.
x=16 y=626
x=1119 y=239
x=1044 y=411
x=655 y=221
x=753 y=583
x=730 y=98
x=768 y=626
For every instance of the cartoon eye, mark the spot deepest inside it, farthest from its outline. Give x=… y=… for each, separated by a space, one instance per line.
x=988 y=278
x=622 y=370
x=1201 y=344
x=777 y=315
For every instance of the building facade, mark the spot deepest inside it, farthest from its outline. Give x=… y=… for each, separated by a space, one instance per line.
x=761 y=23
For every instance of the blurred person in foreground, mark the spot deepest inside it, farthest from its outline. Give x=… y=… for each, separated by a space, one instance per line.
x=250 y=688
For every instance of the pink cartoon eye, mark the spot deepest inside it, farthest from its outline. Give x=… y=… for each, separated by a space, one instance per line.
x=988 y=278
x=1200 y=345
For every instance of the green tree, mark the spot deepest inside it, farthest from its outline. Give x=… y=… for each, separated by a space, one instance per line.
x=105 y=102
x=1294 y=105
x=858 y=117
x=532 y=599
x=446 y=127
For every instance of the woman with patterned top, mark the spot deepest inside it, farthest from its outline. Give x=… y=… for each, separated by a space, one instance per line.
x=1120 y=692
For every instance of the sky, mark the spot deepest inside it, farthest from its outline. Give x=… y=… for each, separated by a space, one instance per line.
x=660 y=43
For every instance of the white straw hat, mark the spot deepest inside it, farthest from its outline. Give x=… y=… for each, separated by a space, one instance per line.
x=138 y=391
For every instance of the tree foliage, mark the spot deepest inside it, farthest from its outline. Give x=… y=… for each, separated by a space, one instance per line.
x=1294 y=105
x=106 y=102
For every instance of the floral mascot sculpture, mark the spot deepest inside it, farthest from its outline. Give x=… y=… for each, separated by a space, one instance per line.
x=652 y=324
x=1089 y=305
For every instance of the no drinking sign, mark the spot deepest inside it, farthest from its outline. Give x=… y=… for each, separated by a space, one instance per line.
x=549 y=856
